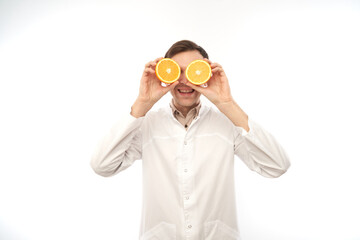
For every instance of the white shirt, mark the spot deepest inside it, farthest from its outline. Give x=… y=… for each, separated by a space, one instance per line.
x=185 y=120
x=188 y=175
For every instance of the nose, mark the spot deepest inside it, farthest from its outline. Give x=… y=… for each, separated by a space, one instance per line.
x=183 y=78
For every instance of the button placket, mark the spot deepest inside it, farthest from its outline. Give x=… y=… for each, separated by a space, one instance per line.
x=187 y=188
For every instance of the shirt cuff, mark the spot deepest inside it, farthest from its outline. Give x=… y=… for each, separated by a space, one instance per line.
x=243 y=132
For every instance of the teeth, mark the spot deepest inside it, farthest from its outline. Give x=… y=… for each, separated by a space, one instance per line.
x=186 y=91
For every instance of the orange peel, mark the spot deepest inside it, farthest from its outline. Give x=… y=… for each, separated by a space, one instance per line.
x=198 y=72
x=167 y=70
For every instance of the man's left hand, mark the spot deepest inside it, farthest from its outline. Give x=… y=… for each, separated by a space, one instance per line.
x=218 y=88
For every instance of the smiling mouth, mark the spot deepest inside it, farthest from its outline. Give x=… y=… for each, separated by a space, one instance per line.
x=186 y=91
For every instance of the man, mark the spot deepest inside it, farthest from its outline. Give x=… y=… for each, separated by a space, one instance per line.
x=187 y=152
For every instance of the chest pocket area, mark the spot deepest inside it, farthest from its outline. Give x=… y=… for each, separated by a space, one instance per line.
x=162 y=231
x=218 y=230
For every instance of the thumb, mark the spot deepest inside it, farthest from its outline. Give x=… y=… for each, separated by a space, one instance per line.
x=170 y=87
x=195 y=87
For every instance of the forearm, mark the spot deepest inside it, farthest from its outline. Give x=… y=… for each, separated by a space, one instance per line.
x=118 y=148
x=140 y=108
x=233 y=111
x=261 y=152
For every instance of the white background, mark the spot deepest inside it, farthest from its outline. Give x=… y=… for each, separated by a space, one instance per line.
x=70 y=69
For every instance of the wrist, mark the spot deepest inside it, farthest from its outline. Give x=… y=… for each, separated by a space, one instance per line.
x=140 y=108
x=233 y=111
x=228 y=103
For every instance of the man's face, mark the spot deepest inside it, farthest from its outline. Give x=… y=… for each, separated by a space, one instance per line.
x=184 y=96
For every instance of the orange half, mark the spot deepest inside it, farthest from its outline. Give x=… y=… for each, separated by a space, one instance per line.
x=198 y=72
x=167 y=70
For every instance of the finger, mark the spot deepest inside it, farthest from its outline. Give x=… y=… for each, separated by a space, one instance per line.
x=149 y=70
x=158 y=59
x=150 y=65
x=207 y=60
x=214 y=65
x=217 y=69
x=171 y=86
x=153 y=63
x=147 y=65
x=195 y=87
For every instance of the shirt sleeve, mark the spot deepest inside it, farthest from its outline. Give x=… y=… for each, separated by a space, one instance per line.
x=260 y=151
x=119 y=148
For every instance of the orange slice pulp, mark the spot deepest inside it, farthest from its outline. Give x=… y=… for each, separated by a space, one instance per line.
x=167 y=70
x=198 y=72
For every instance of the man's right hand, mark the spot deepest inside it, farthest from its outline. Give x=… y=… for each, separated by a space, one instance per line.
x=150 y=90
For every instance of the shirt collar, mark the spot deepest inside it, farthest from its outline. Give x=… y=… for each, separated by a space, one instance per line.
x=176 y=111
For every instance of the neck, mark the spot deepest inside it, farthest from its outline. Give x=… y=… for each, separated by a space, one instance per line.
x=185 y=109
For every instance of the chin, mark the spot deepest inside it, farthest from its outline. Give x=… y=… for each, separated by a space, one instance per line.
x=186 y=100
x=187 y=104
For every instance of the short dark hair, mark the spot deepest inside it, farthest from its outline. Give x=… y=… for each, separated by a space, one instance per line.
x=183 y=46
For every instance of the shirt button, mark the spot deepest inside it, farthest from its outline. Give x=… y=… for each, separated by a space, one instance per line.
x=185 y=143
x=187 y=198
x=185 y=170
x=189 y=226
